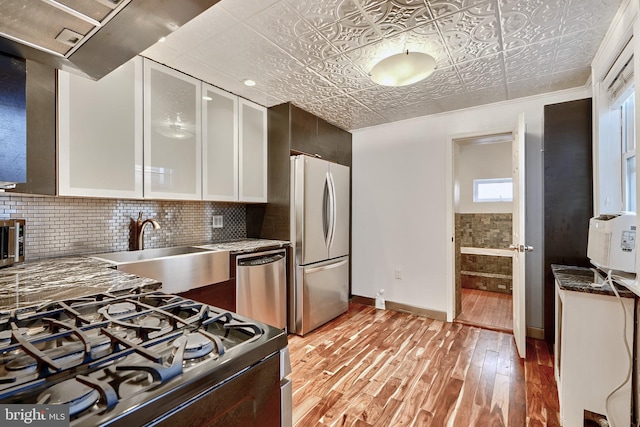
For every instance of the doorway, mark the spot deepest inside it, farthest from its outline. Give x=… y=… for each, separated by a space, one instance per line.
x=483 y=210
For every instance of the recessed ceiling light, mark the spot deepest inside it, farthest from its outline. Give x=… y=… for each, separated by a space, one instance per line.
x=249 y=82
x=403 y=69
x=162 y=39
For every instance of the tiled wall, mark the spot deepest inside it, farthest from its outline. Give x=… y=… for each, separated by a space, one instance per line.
x=59 y=226
x=486 y=272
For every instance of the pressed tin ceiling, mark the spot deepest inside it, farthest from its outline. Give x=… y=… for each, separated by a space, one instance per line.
x=317 y=53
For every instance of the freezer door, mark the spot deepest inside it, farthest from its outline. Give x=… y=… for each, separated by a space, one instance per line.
x=339 y=243
x=311 y=200
x=321 y=293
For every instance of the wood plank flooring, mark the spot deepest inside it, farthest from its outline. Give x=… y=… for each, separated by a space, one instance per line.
x=372 y=367
x=486 y=309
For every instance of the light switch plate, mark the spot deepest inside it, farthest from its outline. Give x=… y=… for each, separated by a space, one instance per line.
x=218 y=221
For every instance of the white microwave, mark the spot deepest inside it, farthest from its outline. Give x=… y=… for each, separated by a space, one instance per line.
x=612 y=242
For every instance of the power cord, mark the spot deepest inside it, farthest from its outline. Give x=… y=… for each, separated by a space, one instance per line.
x=626 y=346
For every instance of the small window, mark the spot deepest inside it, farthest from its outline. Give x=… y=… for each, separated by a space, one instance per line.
x=493 y=190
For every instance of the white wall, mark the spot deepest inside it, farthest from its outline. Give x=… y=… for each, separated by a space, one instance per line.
x=482 y=161
x=399 y=205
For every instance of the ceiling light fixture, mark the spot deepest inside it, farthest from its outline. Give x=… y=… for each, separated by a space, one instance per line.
x=403 y=69
x=249 y=82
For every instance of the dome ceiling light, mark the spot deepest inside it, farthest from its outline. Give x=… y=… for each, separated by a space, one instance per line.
x=403 y=69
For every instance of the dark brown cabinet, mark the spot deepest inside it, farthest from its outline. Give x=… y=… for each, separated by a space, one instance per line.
x=292 y=131
x=221 y=295
x=568 y=193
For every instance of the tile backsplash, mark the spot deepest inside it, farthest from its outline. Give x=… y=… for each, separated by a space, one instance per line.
x=486 y=272
x=60 y=226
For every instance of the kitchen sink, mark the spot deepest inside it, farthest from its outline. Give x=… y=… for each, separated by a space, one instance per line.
x=179 y=268
x=147 y=254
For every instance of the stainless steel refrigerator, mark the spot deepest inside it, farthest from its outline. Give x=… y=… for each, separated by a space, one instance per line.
x=320 y=239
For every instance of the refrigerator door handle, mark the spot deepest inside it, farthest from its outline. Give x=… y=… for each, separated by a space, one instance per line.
x=326 y=267
x=326 y=210
x=332 y=207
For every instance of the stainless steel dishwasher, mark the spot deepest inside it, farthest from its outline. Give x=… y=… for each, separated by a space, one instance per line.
x=261 y=287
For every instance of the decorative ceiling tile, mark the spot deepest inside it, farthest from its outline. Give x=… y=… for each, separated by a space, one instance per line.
x=568 y=79
x=469 y=36
x=576 y=50
x=321 y=13
x=532 y=86
x=484 y=72
x=343 y=111
x=393 y=17
x=530 y=21
x=442 y=8
x=587 y=14
x=285 y=28
x=410 y=111
x=530 y=61
x=341 y=72
x=318 y=54
x=350 y=33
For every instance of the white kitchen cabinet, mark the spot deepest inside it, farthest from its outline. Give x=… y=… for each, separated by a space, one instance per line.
x=252 y=152
x=219 y=144
x=172 y=134
x=100 y=133
x=590 y=357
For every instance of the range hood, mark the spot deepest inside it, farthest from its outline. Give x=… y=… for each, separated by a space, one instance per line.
x=89 y=37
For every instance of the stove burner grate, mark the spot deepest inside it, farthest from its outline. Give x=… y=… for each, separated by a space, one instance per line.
x=78 y=396
x=196 y=346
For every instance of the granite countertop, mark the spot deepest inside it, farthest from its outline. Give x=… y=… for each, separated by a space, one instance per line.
x=247 y=245
x=38 y=282
x=580 y=279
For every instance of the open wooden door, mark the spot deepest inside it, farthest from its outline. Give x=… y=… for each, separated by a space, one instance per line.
x=518 y=246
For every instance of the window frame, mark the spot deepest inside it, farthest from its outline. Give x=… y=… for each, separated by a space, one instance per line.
x=480 y=181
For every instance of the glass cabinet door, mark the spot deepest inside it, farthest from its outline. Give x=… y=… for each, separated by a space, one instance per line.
x=253 y=152
x=172 y=137
x=100 y=133
x=219 y=144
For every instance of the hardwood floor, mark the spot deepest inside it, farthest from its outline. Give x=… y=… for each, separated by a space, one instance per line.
x=372 y=367
x=487 y=309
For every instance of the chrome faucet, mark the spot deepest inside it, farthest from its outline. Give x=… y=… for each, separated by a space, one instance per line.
x=140 y=224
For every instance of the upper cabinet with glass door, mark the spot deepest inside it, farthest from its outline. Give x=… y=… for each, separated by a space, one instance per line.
x=219 y=145
x=253 y=152
x=172 y=137
x=100 y=133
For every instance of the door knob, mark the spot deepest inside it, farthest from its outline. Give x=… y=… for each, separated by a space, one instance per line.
x=520 y=248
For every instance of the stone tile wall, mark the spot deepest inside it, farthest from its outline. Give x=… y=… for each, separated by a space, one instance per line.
x=59 y=226
x=486 y=272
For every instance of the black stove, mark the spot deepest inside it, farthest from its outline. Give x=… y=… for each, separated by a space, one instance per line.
x=138 y=359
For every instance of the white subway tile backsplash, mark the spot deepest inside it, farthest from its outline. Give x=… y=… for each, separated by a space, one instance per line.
x=60 y=226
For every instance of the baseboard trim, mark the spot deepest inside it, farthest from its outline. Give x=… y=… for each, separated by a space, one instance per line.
x=403 y=308
x=535 y=333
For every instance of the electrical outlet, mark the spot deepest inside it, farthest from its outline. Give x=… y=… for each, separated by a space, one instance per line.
x=218 y=221
x=398 y=272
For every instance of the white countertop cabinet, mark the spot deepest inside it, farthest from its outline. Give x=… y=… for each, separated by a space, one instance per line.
x=590 y=357
x=172 y=134
x=100 y=133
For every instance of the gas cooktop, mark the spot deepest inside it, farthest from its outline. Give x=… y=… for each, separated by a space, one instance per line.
x=125 y=358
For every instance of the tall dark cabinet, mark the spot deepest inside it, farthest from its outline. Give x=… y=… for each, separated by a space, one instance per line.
x=292 y=131
x=568 y=193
